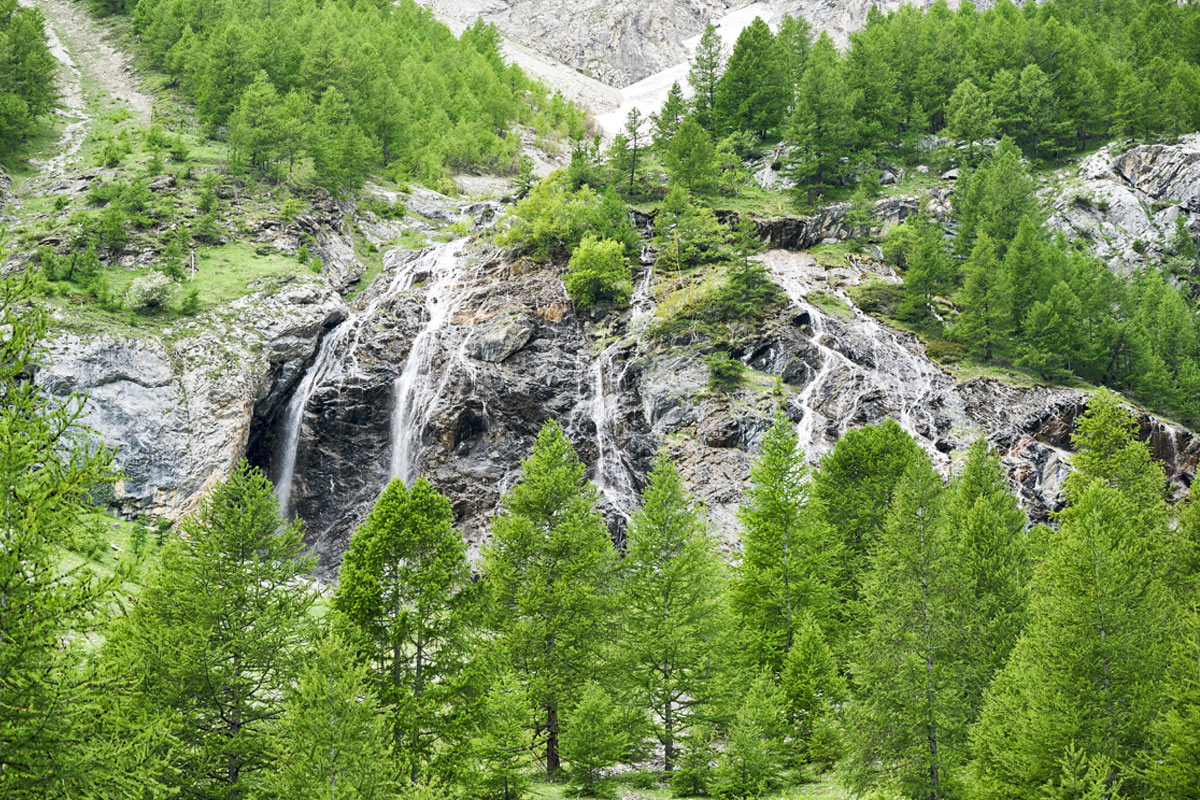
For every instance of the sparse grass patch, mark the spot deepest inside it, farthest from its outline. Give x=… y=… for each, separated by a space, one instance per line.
x=830 y=304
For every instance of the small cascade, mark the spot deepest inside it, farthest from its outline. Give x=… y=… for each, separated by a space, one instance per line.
x=907 y=380
x=337 y=346
x=415 y=392
x=612 y=475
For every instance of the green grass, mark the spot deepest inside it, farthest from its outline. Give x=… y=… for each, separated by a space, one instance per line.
x=833 y=254
x=826 y=787
x=830 y=303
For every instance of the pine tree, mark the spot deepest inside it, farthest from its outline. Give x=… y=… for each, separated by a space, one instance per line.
x=787 y=550
x=667 y=121
x=753 y=94
x=969 y=117
x=217 y=634
x=255 y=130
x=986 y=300
x=928 y=274
x=907 y=721
x=795 y=43
x=548 y=567
x=813 y=688
x=502 y=743
x=691 y=159
x=636 y=138
x=1087 y=672
x=854 y=486
x=405 y=594
x=333 y=737
x=340 y=150
x=821 y=125
x=672 y=610
x=991 y=566
x=63 y=730
x=1026 y=270
x=593 y=739
x=751 y=764
x=704 y=75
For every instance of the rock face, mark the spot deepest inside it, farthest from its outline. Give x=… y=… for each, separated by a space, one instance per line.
x=179 y=410
x=1124 y=203
x=623 y=42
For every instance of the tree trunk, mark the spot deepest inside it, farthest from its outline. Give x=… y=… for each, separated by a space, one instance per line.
x=553 y=764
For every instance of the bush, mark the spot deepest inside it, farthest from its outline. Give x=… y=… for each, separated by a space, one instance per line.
x=553 y=219
x=878 y=297
x=189 y=306
x=149 y=293
x=598 y=274
x=750 y=765
x=725 y=373
x=694 y=773
x=944 y=352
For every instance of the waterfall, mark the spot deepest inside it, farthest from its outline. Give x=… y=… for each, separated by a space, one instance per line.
x=338 y=345
x=414 y=393
x=907 y=379
x=612 y=475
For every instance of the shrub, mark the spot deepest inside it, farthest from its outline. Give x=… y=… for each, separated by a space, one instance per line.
x=179 y=150
x=149 y=293
x=190 y=304
x=878 y=297
x=944 y=352
x=694 y=773
x=599 y=274
x=553 y=219
x=725 y=373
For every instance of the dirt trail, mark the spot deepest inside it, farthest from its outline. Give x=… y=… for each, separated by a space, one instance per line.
x=82 y=46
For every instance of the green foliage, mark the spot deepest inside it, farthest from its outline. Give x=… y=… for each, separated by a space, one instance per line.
x=753 y=93
x=27 y=72
x=696 y=774
x=598 y=274
x=61 y=731
x=813 y=688
x=821 y=126
x=355 y=87
x=593 y=739
x=218 y=634
x=673 y=615
x=332 y=739
x=688 y=234
x=502 y=744
x=704 y=75
x=691 y=159
x=907 y=721
x=149 y=293
x=405 y=595
x=552 y=220
x=751 y=764
x=969 y=117
x=548 y=566
x=787 y=550
x=725 y=373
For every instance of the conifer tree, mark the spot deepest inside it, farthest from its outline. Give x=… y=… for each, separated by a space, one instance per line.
x=854 y=485
x=635 y=136
x=255 y=129
x=1087 y=673
x=333 y=739
x=691 y=158
x=813 y=687
x=593 y=739
x=340 y=150
x=217 y=634
x=752 y=762
x=405 y=595
x=795 y=43
x=1026 y=270
x=753 y=94
x=821 y=128
x=704 y=75
x=991 y=567
x=969 y=117
x=502 y=743
x=672 y=610
x=667 y=121
x=986 y=299
x=787 y=549
x=549 y=568
x=907 y=721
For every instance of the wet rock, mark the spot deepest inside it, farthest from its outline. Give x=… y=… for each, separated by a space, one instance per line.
x=501 y=338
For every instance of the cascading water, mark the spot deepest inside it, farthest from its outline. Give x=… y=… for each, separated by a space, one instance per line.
x=612 y=475
x=906 y=379
x=415 y=393
x=339 y=345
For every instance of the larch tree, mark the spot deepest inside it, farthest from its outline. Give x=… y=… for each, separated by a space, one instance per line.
x=218 y=633
x=667 y=121
x=969 y=117
x=986 y=299
x=691 y=158
x=787 y=553
x=673 y=612
x=333 y=739
x=907 y=722
x=549 y=567
x=704 y=75
x=753 y=94
x=821 y=126
x=407 y=600
x=64 y=730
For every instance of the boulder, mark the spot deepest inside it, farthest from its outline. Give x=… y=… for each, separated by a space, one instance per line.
x=502 y=337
